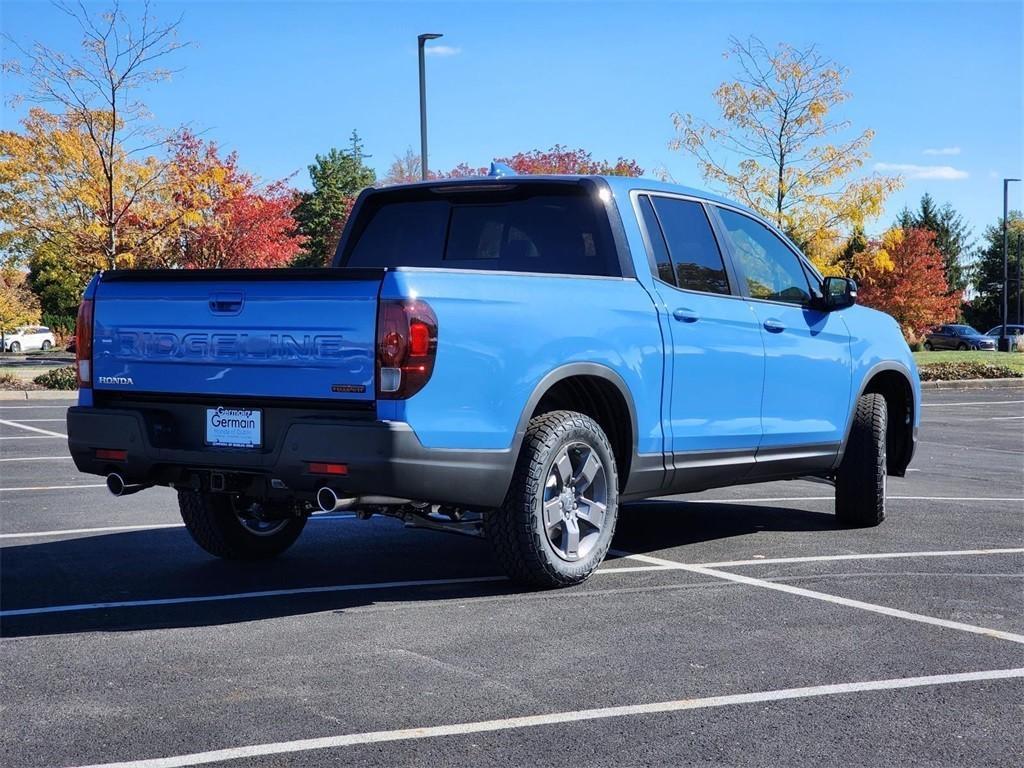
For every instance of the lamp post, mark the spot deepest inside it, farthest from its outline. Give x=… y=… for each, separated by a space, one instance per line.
x=422 y=40
x=1020 y=288
x=1004 y=340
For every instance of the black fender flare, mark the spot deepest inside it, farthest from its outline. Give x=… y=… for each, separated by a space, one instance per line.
x=882 y=367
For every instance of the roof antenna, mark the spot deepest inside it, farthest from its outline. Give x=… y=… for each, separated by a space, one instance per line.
x=500 y=169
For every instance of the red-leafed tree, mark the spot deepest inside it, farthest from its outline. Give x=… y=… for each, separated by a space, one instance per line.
x=563 y=160
x=904 y=275
x=557 y=160
x=226 y=219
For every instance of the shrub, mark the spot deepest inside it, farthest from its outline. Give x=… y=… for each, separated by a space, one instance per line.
x=59 y=378
x=958 y=371
x=9 y=381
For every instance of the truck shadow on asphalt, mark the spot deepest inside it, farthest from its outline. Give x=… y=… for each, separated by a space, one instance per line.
x=81 y=574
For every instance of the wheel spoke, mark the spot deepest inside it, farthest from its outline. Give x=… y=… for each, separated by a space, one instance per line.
x=591 y=466
x=571 y=538
x=592 y=511
x=552 y=512
x=564 y=467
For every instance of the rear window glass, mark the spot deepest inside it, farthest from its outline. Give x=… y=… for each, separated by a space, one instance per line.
x=559 y=231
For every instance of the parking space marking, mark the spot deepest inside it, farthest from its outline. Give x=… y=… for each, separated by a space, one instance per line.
x=866 y=556
x=954 y=404
x=559 y=718
x=149 y=527
x=30 y=407
x=50 y=487
x=844 y=601
x=30 y=437
x=1005 y=418
x=26 y=421
x=46 y=432
x=38 y=458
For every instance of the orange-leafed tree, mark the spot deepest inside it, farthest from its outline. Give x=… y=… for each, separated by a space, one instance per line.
x=227 y=219
x=903 y=274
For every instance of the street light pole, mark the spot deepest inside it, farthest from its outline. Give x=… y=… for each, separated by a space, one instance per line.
x=1020 y=288
x=422 y=40
x=1004 y=340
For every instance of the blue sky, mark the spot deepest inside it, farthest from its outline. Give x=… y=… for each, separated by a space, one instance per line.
x=940 y=82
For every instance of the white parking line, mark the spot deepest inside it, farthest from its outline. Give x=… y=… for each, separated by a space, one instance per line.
x=26 y=421
x=844 y=601
x=38 y=458
x=50 y=487
x=30 y=437
x=154 y=527
x=30 y=407
x=867 y=556
x=46 y=432
x=1005 y=418
x=954 y=404
x=558 y=718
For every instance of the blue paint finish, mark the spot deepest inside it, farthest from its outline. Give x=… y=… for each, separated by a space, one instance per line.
x=500 y=334
x=807 y=374
x=876 y=344
x=285 y=339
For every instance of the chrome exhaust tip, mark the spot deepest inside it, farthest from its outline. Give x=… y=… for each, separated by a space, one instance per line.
x=328 y=500
x=118 y=487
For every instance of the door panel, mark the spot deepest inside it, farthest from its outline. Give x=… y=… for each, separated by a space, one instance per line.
x=808 y=366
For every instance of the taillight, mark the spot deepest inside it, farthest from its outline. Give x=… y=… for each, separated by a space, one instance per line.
x=83 y=343
x=406 y=347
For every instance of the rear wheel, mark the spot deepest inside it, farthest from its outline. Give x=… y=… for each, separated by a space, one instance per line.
x=860 y=481
x=559 y=516
x=46 y=345
x=962 y=347
x=928 y=346
x=234 y=531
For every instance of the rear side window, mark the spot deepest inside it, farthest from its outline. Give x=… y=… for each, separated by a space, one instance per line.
x=557 y=229
x=661 y=264
x=691 y=244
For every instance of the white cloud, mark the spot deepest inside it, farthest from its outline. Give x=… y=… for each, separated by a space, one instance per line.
x=931 y=172
x=943 y=151
x=442 y=50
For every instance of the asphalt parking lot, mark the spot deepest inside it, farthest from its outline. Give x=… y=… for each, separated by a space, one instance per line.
x=734 y=627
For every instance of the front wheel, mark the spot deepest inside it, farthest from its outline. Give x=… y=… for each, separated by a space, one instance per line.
x=559 y=515
x=15 y=347
x=227 y=529
x=962 y=347
x=860 y=481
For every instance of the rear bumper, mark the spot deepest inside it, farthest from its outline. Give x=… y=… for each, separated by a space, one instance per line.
x=383 y=458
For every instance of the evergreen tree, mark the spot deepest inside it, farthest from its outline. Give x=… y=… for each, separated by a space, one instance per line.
x=985 y=310
x=951 y=235
x=337 y=178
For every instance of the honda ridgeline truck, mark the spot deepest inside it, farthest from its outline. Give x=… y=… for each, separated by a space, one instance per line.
x=508 y=356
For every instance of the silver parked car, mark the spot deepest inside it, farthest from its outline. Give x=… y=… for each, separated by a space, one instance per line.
x=29 y=337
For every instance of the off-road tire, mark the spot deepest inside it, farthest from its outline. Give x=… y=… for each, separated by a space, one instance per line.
x=860 y=481
x=213 y=524
x=516 y=529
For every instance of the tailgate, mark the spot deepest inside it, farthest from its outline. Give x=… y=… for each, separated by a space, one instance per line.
x=302 y=333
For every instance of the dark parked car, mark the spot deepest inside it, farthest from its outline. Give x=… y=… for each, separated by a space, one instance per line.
x=958 y=337
x=1012 y=330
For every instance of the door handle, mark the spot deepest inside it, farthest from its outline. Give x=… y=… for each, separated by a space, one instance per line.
x=774 y=326
x=228 y=303
x=685 y=315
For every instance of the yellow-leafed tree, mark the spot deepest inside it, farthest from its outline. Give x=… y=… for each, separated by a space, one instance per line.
x=780 y=150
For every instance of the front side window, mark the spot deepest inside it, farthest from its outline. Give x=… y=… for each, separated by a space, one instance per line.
x=771 y=270
x=691 y=244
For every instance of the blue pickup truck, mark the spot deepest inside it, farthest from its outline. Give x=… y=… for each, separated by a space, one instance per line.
x=508 y=356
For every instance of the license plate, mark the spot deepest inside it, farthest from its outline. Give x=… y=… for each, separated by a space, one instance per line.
x=234 y=427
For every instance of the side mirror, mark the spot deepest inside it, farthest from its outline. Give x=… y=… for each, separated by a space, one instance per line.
x=840 y=292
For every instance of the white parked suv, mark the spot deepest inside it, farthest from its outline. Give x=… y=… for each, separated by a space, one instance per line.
x=29 y=337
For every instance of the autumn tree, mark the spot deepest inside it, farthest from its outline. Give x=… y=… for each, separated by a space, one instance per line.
x=337 y=179
x=985 y=309
x=224 y=217
x=779 y=149
x=903 y=274
x=951 y=235
x=96 y=92
x=18 y=305
x=56 y=283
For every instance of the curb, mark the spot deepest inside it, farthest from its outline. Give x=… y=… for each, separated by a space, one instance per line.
x=38 y=394
x=975 y=384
